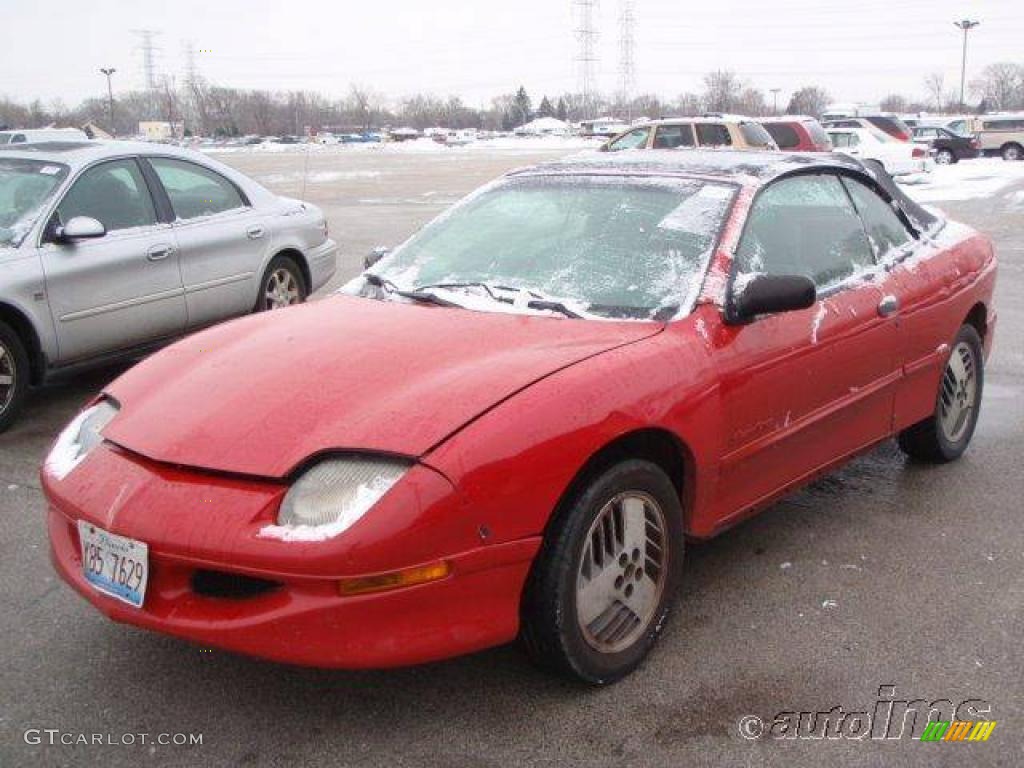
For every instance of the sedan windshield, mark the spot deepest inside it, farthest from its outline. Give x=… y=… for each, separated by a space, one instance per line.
x=25 y=187
x=624 y=247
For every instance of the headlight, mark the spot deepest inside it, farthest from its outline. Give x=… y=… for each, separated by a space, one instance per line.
x=79 y=437
x=332 y=496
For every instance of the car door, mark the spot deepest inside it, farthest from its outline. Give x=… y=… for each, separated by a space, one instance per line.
x=222 y=239
x=121 y=289
x=802 y=390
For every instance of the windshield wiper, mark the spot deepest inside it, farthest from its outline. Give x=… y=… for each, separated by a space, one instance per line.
x=536 y=301
x=417 y=294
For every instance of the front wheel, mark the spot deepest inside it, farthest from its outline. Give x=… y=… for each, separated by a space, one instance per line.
x=1012 y=152
x=945 y=435
x=602 y=586
x=14 y=375
x=282 y=286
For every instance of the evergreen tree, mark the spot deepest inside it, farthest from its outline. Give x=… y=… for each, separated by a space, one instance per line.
x=545 y=109
x=523 y=107
x=562 y=111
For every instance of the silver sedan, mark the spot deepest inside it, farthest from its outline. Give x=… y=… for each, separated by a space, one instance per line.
x=110 y=248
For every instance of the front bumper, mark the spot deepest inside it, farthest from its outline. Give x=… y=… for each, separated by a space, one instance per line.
x=323 y=263
x=300 y=618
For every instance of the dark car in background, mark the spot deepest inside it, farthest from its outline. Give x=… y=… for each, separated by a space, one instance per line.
x=946 y=146
x=887 y=124
x=797 y=133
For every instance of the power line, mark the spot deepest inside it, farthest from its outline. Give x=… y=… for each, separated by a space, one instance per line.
x=587 y=58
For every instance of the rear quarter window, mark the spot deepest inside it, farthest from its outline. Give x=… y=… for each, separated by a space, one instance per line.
x=755 y=135
x=713 y=135
x=817 y=134
x=785 y=134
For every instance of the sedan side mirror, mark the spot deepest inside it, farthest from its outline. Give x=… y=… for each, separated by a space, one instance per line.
x=769 y=294
x=375 y=255
x=80 y=228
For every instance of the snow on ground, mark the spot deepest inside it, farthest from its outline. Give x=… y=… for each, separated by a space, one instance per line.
x=421 y=146
x=966 y=180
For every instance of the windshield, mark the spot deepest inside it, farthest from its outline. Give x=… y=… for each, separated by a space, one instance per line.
x=5 y=138
x=606 y=247
x=25 y=186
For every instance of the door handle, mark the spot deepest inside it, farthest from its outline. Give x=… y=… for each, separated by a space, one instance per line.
x=254 y=233
x=888 y=305
x=159 y=252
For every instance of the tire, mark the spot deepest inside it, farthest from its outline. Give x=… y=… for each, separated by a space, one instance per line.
x=14 y=376
x=570 y=623
x=1011 y=152
x=945 y=435
x=945 y=157
x=283 y=285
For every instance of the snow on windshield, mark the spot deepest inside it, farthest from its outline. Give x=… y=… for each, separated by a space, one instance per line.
x=606 y=247
x=25 y=185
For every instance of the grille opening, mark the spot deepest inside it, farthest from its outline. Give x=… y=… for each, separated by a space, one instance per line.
x=230 y=585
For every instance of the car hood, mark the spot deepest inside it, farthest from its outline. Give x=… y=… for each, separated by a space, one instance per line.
x=259 y=396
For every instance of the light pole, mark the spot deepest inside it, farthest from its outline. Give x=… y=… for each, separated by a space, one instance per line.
x=966 y=25
x=109 y=71
x=775 y=100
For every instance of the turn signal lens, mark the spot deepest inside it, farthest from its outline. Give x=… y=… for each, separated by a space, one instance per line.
x=382 y=582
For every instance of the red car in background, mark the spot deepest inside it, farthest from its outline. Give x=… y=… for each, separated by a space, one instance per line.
x=795 y=133
x=888 y=125
x=509 y=426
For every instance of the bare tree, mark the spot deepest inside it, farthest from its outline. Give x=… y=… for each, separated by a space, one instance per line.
x=894 y=102
x=809 y=100
x=935 y=85
x=1001 y=86
x=722 y=90
x=688 y=105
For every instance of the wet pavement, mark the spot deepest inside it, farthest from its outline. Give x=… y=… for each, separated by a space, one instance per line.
x=883 y=574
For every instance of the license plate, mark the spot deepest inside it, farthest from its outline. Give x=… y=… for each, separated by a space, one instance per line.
x=115 y=565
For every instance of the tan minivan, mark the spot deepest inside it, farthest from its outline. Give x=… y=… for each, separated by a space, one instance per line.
x=1002 y=134
x=672 y=133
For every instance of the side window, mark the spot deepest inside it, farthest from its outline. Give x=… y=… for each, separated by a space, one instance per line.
x=713 y=135
x=785 y=135
x=672 y=136
x=18 y=138
x=194 y=190
x=885 y=228
x=805 y=225
x=113 y=193
x=853 y=140
x=633 y=140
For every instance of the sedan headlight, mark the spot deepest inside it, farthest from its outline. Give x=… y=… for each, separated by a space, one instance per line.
x=332 y=496
x=79 y=437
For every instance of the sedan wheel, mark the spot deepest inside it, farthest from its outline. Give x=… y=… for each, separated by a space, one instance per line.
x=959 y=393
x=601 y=588
x=14 y=375
x=283 y=285
x=945 y=157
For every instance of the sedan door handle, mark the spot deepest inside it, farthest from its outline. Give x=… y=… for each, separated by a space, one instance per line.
x=889 y=305
x=254 y=233
x=159 y=252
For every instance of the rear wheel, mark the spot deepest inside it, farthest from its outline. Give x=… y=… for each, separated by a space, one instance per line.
x=283 y=285
x=945 y=157
x=603 y=584
x=1012 y=152
x=945 y=435
x=14 y=375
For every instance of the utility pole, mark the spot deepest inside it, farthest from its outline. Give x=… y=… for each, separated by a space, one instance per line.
x=966 y=25
x=586 y=36
x=627 y=47
x=109 y=72
x=775 y=100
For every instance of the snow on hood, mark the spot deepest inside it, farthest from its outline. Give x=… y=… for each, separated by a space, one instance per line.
x=260 y=395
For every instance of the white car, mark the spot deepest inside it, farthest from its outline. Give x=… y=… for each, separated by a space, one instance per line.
x=897 y=158
x=37 y=135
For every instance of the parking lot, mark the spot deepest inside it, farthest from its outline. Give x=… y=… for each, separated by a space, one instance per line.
x=885 y=574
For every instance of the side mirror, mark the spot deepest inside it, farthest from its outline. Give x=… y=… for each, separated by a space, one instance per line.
x=769 y=294
x=80 y=228
x=375 y=255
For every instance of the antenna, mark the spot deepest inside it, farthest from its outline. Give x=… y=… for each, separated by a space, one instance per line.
x=586 y=58
x=627 y=47
x=149 y=51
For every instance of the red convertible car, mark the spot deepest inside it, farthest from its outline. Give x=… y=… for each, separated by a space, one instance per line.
x=509 y=426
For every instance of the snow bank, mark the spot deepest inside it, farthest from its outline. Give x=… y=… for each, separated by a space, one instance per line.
x=966 y=180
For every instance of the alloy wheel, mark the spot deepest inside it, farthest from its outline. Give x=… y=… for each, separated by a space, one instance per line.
x=622 y=572
x=282 y=289
x=8 y=372
x=959 y=393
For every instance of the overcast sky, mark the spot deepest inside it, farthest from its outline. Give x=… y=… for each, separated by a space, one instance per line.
x=858 y=49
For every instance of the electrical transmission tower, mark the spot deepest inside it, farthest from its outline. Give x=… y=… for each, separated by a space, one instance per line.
x=149 y=49
x=586 y=57
x=191 y=71
x=627 y=49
